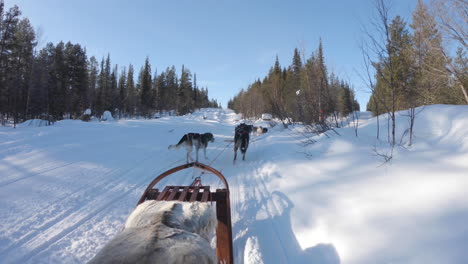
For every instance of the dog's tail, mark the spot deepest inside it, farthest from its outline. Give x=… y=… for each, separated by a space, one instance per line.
x=176 y=146
x=244 y=144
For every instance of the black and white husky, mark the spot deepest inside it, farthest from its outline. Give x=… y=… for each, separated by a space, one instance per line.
x=241 y=139
x=196 y=140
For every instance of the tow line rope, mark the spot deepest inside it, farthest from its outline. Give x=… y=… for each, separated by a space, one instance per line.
x=212 y=161
x=197 y=180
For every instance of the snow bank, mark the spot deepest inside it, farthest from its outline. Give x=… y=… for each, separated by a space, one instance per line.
x=34 y=123
x=407 y=211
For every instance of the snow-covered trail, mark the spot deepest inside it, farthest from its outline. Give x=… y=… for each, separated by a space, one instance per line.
x=66 y=190
x=51 y=208
x=57 y=190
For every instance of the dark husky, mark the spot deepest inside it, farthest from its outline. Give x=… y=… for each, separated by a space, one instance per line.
x=241 y=139
x=194 y=139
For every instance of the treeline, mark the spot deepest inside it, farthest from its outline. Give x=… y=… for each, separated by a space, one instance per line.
x=59 y=81
x=302 y=92
x=414 y=67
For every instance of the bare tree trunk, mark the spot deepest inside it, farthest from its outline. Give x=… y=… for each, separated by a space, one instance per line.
x=464 y=92
x=393 y=116
x=388 y=126
x=412 y=117
x=378 y=127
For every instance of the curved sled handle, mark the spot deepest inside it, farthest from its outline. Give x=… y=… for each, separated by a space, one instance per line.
x=183 y=167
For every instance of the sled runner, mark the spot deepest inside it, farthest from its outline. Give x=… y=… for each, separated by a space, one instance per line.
x=200 y=193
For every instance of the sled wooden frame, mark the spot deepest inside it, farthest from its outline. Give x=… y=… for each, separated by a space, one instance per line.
x=224 y=250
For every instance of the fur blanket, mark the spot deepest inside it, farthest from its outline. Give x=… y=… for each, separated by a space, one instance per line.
x=164 y=232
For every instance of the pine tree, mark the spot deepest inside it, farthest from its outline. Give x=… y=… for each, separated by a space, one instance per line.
x=106 y=88
x=345 y=105
x=431 y=78
x=39 y=85
x=326 y=102
x=162 y=92
x=60 y=78
x=8 y=24
x=185 y=92
x=93 y=71
x=100 y=91
x=122 y=93
x=77 y=93
x=145 y=88
x=155 y=97
x=172 y=89
x=297 y=63
x=195 y=95
x=21 y=59
x=395 y=73
x=131 y=93
x=293 y=86
x=113 y=90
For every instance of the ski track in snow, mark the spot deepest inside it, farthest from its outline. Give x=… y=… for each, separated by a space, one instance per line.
x=67 y=219
x=61 y=200
x=43 y=169
x=69 y=212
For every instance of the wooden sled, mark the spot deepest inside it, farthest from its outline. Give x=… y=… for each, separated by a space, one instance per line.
x=197 y=192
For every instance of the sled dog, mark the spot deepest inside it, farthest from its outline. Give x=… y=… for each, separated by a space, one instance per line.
x=241 y=139
x=196 y=140
x=160 y=232
x=249 y=128
x=260 y=130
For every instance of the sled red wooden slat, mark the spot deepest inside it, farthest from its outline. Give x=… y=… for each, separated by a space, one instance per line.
x=174 y=191
x=163 y=194
x=206 y=194
x=194 y=196
x=183 y=195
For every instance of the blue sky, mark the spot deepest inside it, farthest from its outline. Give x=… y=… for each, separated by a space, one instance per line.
x=228 y=44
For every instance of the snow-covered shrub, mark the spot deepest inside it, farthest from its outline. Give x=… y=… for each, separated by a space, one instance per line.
x=267 y=117
x=34 y=123
x=107 y=116
x=157 y=115
x=86 y=115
